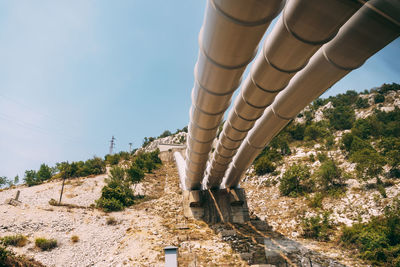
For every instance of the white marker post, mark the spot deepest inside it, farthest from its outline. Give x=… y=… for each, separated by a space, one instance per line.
x=171 y=256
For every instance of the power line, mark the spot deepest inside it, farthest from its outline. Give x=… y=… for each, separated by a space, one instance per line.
x=112 y=144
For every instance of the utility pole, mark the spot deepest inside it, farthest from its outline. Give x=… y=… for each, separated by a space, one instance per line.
x=130 y=147
x=112 y=144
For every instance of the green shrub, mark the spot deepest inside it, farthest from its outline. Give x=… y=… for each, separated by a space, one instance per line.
x=379 y=98
x=369 y=163
x=45 y=244
x=362 y=103
x=362 y=128
x=315 y=131
x=31 y=178
x=263 y=165
x=14 y=240
x=329 y=142
x=44 y=173
x=116 y=194
x=295 y=181
x=322 y=157
x=390 y=147
x=113 y=159
x=341 y=117
x=346 y=99
x=3 y=255
x=377 y=240
x=135 y=174
x=317 y=227
x=166 y=133
x=329 y=174
x=109 y=205
x=316 y=200
x=296 y=131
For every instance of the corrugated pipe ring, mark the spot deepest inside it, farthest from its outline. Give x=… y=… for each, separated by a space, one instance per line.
x=242 y=22
x=233 y=140
x=263 y=89
x=231 y=149
x=236 y=147
x=282 y=70
x=211 y=92
x=242 y=131
x=253 y=146
x=195 y=152
x=207 y=113
x=214 y=171
x=251 y=105
x=197 y=81
x=222 y=156
x=280 y=116
x=201 y=142
x=194 y=174
x=337 y=65
x=195 y=163
x=219 y=163
x=201 y=49
x=243 y=118
x=302 y=39
x=205 y=129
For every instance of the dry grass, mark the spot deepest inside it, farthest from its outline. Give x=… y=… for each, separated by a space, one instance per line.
x=74 y=239
x=111 y=221
x=14 y=240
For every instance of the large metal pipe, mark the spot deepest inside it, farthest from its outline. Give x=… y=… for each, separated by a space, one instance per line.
x=305 y=25
x=373 y=27
x=228 y=41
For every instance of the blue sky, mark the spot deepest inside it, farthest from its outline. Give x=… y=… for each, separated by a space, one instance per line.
x=74 y=73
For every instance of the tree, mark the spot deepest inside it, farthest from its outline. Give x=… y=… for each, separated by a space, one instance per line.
x=135 y=175
x=329 y=174
x=31 y=178
x=362 y=103
x=44 y=173
x=341 y=117
x=379 y=98
x=369 y=163
x=165 y=134
x=263 y=165
x=295 y=181
x=16 y=179
x=3 y=181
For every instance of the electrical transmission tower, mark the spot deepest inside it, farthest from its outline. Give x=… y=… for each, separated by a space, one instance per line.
x=112 y=144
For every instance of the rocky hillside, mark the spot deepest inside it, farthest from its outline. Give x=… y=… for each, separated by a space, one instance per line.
x=323 y=193
x=335 y=166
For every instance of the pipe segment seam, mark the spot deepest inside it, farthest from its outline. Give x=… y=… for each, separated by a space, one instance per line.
x=242 y=131
x=301 y=39
x=205 y=129
x=242 y=22
x=263 y=89
x=243 y=118
x=233 y=140
x=332 y=62
x=280 y=69
x=244 y=64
